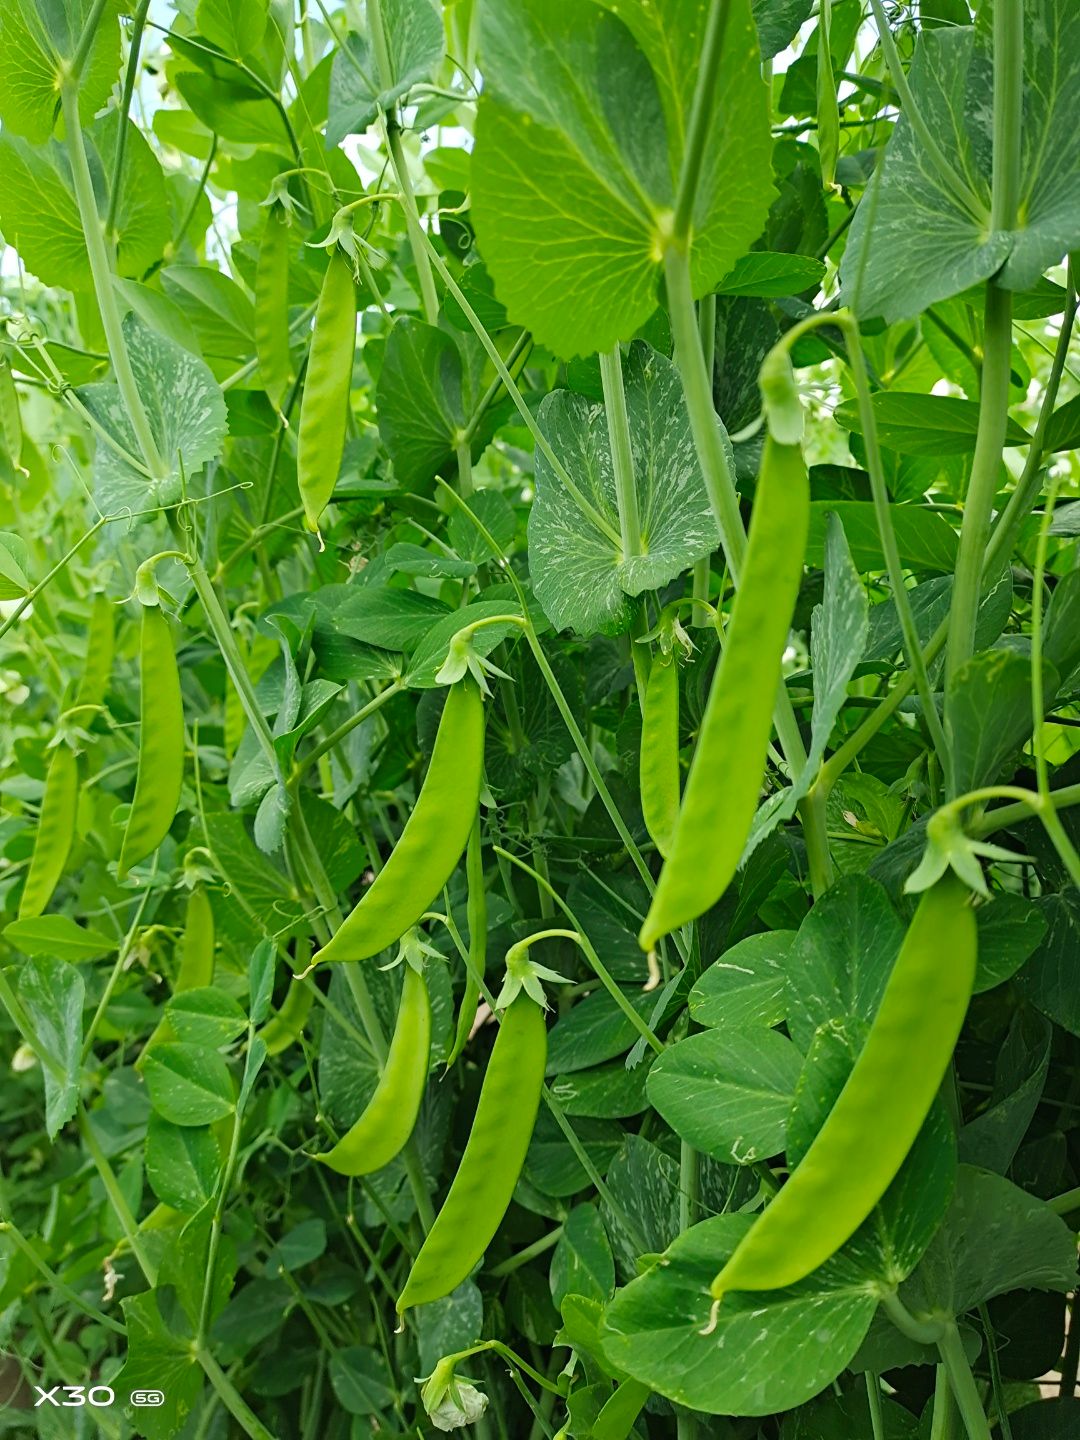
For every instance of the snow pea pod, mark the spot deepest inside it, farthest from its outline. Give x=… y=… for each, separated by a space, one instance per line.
x=55 y=832
x=324 y=410
x=659 y=761
x=161 y=743
x=389 y=1117
x=857 y=1152
x=197 y=956
x=100 y=644
x=476 y=912
x=272 y=306
x=434 y=836
x=286 y=1026
x=729 y=761
x=10 y=417
x=494 y=1155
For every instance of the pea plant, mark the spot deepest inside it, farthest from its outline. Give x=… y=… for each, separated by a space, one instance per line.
x=540 y=604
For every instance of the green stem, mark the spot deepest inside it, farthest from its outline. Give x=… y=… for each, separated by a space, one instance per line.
x=873 y=1396
x=962 y=1383
x=622 y=460
x=130 y=73
x=101 y=272
x=55 y=1283
x=697 y=130
x=463 y=453
x=530 y=1252
x=116 y=1198
x=1038 y=697
x=942 y=1421
x=416 y=232
x=996 y=1383
x=231 y=1398
x=1008 y=114
x=336 y=736
x=923 y=1332
x=86 y=41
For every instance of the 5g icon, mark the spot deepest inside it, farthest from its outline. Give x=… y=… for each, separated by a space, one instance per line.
x=143 y=1398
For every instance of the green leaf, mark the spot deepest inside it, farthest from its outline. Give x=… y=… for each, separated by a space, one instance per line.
x=608 y=1092
x=582 y=1263
x=52 y=994
x=183 y=1163
x=59 y=936
x=361 y=1380
x=205 y=1016
x=215 y=306
x=186 y=411
x=446 y=1326
x=430 y=654
x=37 y=41
x=1010 y=930
x=300 y=1246
x=925 y=539
x=1046 y=1420
x=989 y=715
x=993 y=1137
x=995 y=1238
x=755 y=1353
x=1063 y=431
x=578 y=571
x=157 y=1360
x=425 y=397
x=842 y=957
x=407 y=559
x=914 y=424
x=778 y=23
x=572 y=198
x=924 y=244
x=414 y=41
x=748 y=985
x=234 y=26
x=837 y=639
x=188 y=1084
x=14 y=558
x=1049 y=978
x=768 y=274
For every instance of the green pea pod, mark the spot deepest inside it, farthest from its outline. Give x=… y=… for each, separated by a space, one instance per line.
x=55 y=832
x=434 y=836
x=100 y=646
x=857 y=1152
x=286 y=1027
x=729 y=762
x=272 y=306
x=197 y=956
x=10 y=416
x=659 y=764
x=491 y=1165
x=324 y=410
x=476 y=910
x=161 y=743
x=389 y=1117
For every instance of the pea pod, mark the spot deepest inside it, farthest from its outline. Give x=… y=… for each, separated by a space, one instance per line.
x=659 y=763
x=10 y=417
x=161 y=743
x=389 y=1117
x=869 y=1131
x=494 y=1155
x=197 y=957
x=434 y=836
x=729 y=761
x=272 y=306
x=55 y=832
x=476 y=911
x=324 y=408
x=282 y=1029
x=100 y=645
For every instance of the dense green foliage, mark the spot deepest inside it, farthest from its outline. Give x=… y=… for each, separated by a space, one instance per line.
x=656 y=418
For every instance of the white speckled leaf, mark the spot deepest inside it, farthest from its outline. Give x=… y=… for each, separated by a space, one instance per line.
x=414 y=38
x=577 y=570
x=186 y=410
x=925 y=246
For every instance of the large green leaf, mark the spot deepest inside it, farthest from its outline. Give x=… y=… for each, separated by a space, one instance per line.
x=989 y=715
x=916 y=242
x=51 y=993
x=913 y=424
x=925 y=539
x=414 y=42
x=37 y=40
x=578 y=571
x=748 y=985
x=426 y=394
x=580 y=137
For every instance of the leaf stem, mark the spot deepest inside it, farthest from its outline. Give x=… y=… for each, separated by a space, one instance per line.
x=962 y=1383
x=124 y=109
x=697 y=129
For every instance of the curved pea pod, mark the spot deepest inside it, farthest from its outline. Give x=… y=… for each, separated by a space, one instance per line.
x=10 y=417
x=729 y=761
x=100 y=646
x=286 y=1027
x=434 y=836
x=858 y=1151
x=272 y=306
x=494 y=1156
x=659 y=761
x=324 y=410
x=161 y=743
x=476 y=911
x=197 y=957
x=383 y=1130
x=55 y=832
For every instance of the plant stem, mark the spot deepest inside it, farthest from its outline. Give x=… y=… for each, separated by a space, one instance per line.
x=132 y=69
x=101 y=272
x=962 y=1383
x=116 y=1198
x=337 y=735
x=996 y=1383
x=1038 y=697
x=873 y=1397
x=622 y=460
x=231 y=1398
x=923 y=1332
x=697 y=129
x=942 y=1425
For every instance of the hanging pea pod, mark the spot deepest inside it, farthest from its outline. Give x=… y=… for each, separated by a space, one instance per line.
x=476 y=911
x=324 y=410
x=434 y=836
x=286 y=1027
x=659 y=762
x=389 y=1117
x=161 y=743
x=866 y=1138
x=55 y=832
x=729 y=762
x=10 y=416
x=494 y=1156
x=197 y=955
x=100 y=647
x=272 y=306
